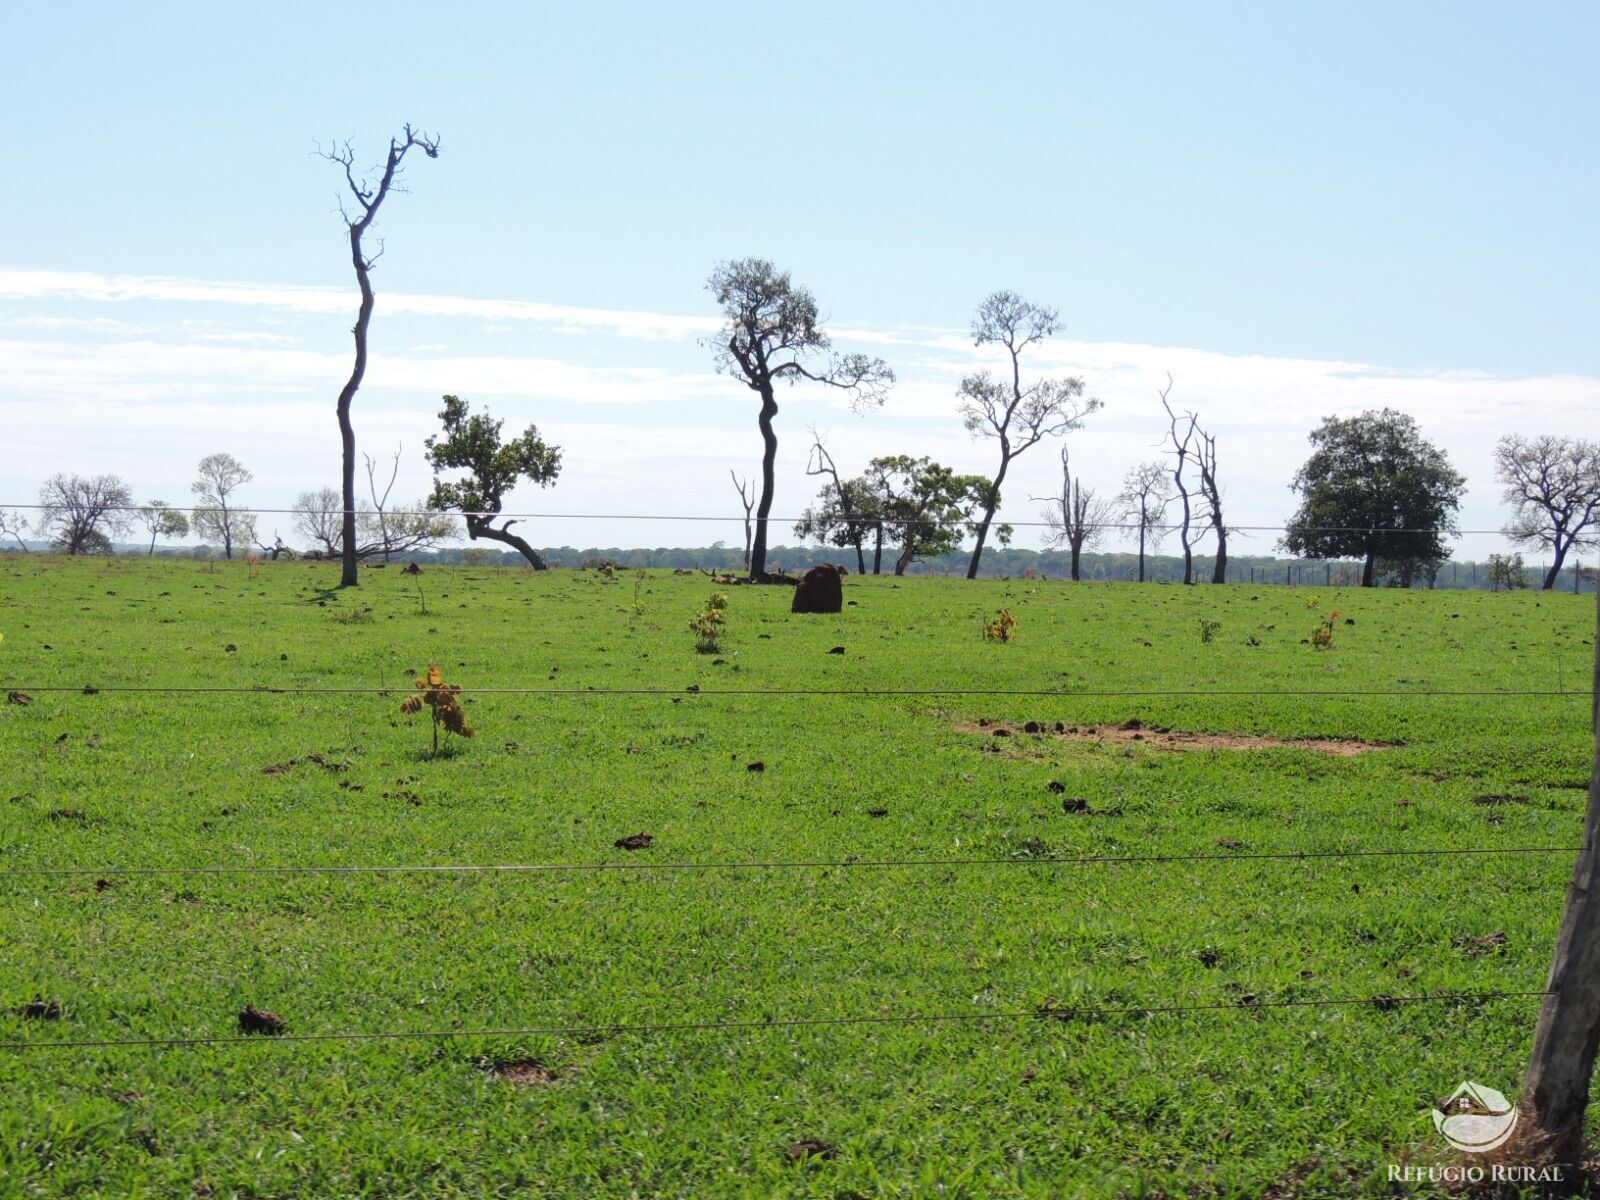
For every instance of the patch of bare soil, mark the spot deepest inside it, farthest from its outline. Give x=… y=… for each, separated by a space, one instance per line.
x=1169 y=739
x=524 y=1072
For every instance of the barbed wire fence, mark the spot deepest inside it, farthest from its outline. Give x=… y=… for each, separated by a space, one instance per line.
x=1570 y=1002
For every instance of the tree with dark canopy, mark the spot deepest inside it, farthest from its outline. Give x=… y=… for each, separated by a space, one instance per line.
x=472 y=443
x=1374 y=488
x=368 y=196
x=80 y=513
x=1016 y=416
x=772 y=334
x=1553 y=487
x=925 y=507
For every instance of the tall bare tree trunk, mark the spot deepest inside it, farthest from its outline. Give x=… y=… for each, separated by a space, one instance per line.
x=347 y=431
x=1567 y=1037
x=769 y=455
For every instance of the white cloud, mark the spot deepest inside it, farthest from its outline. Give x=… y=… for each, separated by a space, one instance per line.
x=651 y=426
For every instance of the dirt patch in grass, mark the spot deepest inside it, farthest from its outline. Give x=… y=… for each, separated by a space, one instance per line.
x=1169 y=739
x=524 y=1072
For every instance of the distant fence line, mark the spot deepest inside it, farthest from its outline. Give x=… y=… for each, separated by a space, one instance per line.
x=739 y=519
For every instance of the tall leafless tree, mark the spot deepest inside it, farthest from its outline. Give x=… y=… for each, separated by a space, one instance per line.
x=1180 y=442
x=747 y=498
x=218 y=515
x=1014 y=415
x=772 y=334
x=360 y=210
x=319 y=519
x=13 y=525
x=1553 y=487
x=1206 y=459
x=1146 y=492
x=385 y=532
x=1077 y=518
x=821 y=464
x=81 y=513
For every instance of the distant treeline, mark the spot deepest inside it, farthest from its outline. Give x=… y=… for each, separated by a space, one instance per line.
x=999 y=562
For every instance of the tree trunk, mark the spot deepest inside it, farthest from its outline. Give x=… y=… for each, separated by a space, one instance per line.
x=1555 y=567
x=152 y=552
x=1366 y=568
x=861 y=557
x=1141 y=551
x=769 y=455
x=479 y=527
x=1077 y=553
x=347 y=432
x=1219 y=569
x=988 y=510
x=904 y=561
x=1567 y=1037
x=877 y=551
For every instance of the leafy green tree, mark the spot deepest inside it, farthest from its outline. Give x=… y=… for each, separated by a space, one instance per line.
x=1374 y=488
x=162 y=520
x=472 y=443
x=1506 y=571
x=925 y=508
x=770 y=335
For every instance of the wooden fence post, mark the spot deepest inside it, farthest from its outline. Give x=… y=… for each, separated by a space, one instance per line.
x=1556 y=1092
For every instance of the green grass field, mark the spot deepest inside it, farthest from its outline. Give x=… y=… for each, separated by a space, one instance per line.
x=1234 y=1100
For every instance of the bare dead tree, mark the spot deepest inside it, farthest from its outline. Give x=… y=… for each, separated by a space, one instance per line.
x=1015 y=415
x=821 y=464
x=384 y=533
x=1553 y=487
x=747 y=497
x=14 y=525
x=81 y=513
x=367 y=197
x=1181 y=431
x=319 y=518
x=1077 y=518
x=1146 y=492
x=1206 y=459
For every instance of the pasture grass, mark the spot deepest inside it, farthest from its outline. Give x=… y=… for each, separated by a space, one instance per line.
x=1232 y=1101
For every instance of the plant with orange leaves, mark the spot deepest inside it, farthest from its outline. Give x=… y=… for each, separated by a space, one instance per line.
x=443 y=700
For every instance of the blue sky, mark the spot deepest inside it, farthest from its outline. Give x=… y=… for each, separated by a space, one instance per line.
x=1296 y=210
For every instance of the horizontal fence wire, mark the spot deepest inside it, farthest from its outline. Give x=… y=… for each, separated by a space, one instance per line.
x=1085 y=860
x=695 y=690
x=739 y=518
x=1045 y=1012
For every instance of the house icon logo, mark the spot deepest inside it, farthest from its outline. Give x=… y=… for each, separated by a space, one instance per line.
x=1475 y=1118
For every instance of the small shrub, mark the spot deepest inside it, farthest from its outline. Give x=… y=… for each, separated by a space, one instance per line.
x=1209 y=630
x=1322 y=635
x=707 y=626
x=1002 y=629
x=441 y=698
